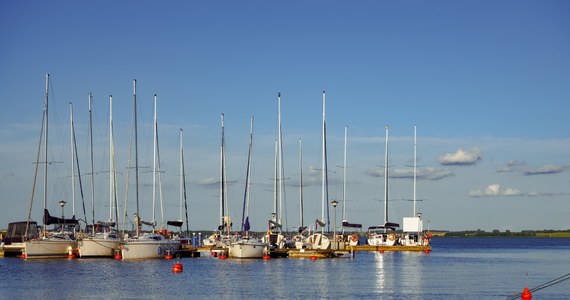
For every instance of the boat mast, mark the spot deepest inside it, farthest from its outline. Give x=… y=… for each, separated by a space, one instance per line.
x=72 y=142
x=137 y=217
x=154 y=163
x=301 y=207
x=46 y=144
x=324 y=176
x=112 y=177
x=183 y=182
x=344 y=178
x=280 y=162
x=246 y=196
x=181 y=176
x=415 y=170
x=90 y=100
x=222 y=175
x=386 y=179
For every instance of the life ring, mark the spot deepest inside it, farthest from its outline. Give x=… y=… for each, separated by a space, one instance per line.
x=391 y=237
x=354 y=237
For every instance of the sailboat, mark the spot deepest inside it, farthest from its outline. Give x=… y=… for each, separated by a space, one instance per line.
x=300 y=238
x=378 y=235
x=149 y=244
x=101 y=239
x=58 y=242
x=182 y=237
x=413 y=226
x=222 y=238
x=320 y=240
x=274 y=236
x=247 y=246
x=353 y=238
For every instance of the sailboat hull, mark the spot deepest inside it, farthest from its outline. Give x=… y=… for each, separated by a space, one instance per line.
x=247 y=249
x=48 y=248
x=149 y=247
x=97 y=247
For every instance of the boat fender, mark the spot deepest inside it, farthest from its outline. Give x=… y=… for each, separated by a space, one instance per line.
x=159 y=250
x=391 y=236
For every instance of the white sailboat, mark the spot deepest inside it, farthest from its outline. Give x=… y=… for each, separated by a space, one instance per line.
x=56 y=243
x=149 y=244
x=247 y=246
x=352 y=240
x=274 y=236
x=222 y=237
x=300 y=238
x=383 y=235
x=413 y=226
x=320 y=240
x=101 y=239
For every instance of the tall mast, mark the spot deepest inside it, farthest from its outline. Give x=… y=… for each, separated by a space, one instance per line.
x=344 y=176
x=154 y=162
x=386 y=179
x=92 y=169
x=181 y=175
x=280 y=162
x=301 y=206
x=72 y=156
x=246 y=196
x=415 y=171
x=324 y=193
x=222 y=191
x=111 y=162
x=136 y=156
x=46 y=143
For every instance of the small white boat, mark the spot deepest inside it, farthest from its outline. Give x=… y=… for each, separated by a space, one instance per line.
x=248 y=248
x=149 y=245
x=318 y=241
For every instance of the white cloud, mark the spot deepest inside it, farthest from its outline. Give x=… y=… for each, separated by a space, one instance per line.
x=494 y=190
x=512 y=166
x=544 y=170
x=461 y=157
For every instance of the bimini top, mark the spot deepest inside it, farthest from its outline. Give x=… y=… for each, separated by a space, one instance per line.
x=388 y=225
x=346 y=224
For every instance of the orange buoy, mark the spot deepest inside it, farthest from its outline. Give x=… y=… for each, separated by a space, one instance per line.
x=526 y=294
x=313 y=257
x=223 y=255
x=118 y=254
x=177 y=267
x=168 y=255
x=266 y=257
x=23 y=255
x=426 y=251
x=381 y=250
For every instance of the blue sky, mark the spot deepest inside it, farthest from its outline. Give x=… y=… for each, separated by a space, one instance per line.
x=486 y=83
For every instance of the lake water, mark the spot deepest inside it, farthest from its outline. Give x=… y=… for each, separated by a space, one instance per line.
x=457 y=268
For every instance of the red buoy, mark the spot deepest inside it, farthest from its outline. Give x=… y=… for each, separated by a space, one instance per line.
x=526 y=294
x=381 y=250
x=223 y=256
x=313 y=257
x=118 y=254
x=177 y=267
x=426 y=251
x=213 y=254
x=23 y=255
x=266 y=257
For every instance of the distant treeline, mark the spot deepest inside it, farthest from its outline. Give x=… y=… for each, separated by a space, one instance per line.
x=507 y=233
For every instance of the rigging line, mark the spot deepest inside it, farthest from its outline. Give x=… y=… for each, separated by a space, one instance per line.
x=542 y=286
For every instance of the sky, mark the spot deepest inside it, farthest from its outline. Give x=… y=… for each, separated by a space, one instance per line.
x=486 y=83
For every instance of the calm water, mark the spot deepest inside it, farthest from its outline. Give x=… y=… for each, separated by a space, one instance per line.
x=457 y=268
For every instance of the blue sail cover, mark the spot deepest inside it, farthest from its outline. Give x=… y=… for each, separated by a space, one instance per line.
x=246 y=224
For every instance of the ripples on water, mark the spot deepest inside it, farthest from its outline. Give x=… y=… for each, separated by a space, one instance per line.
x=457 y=268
